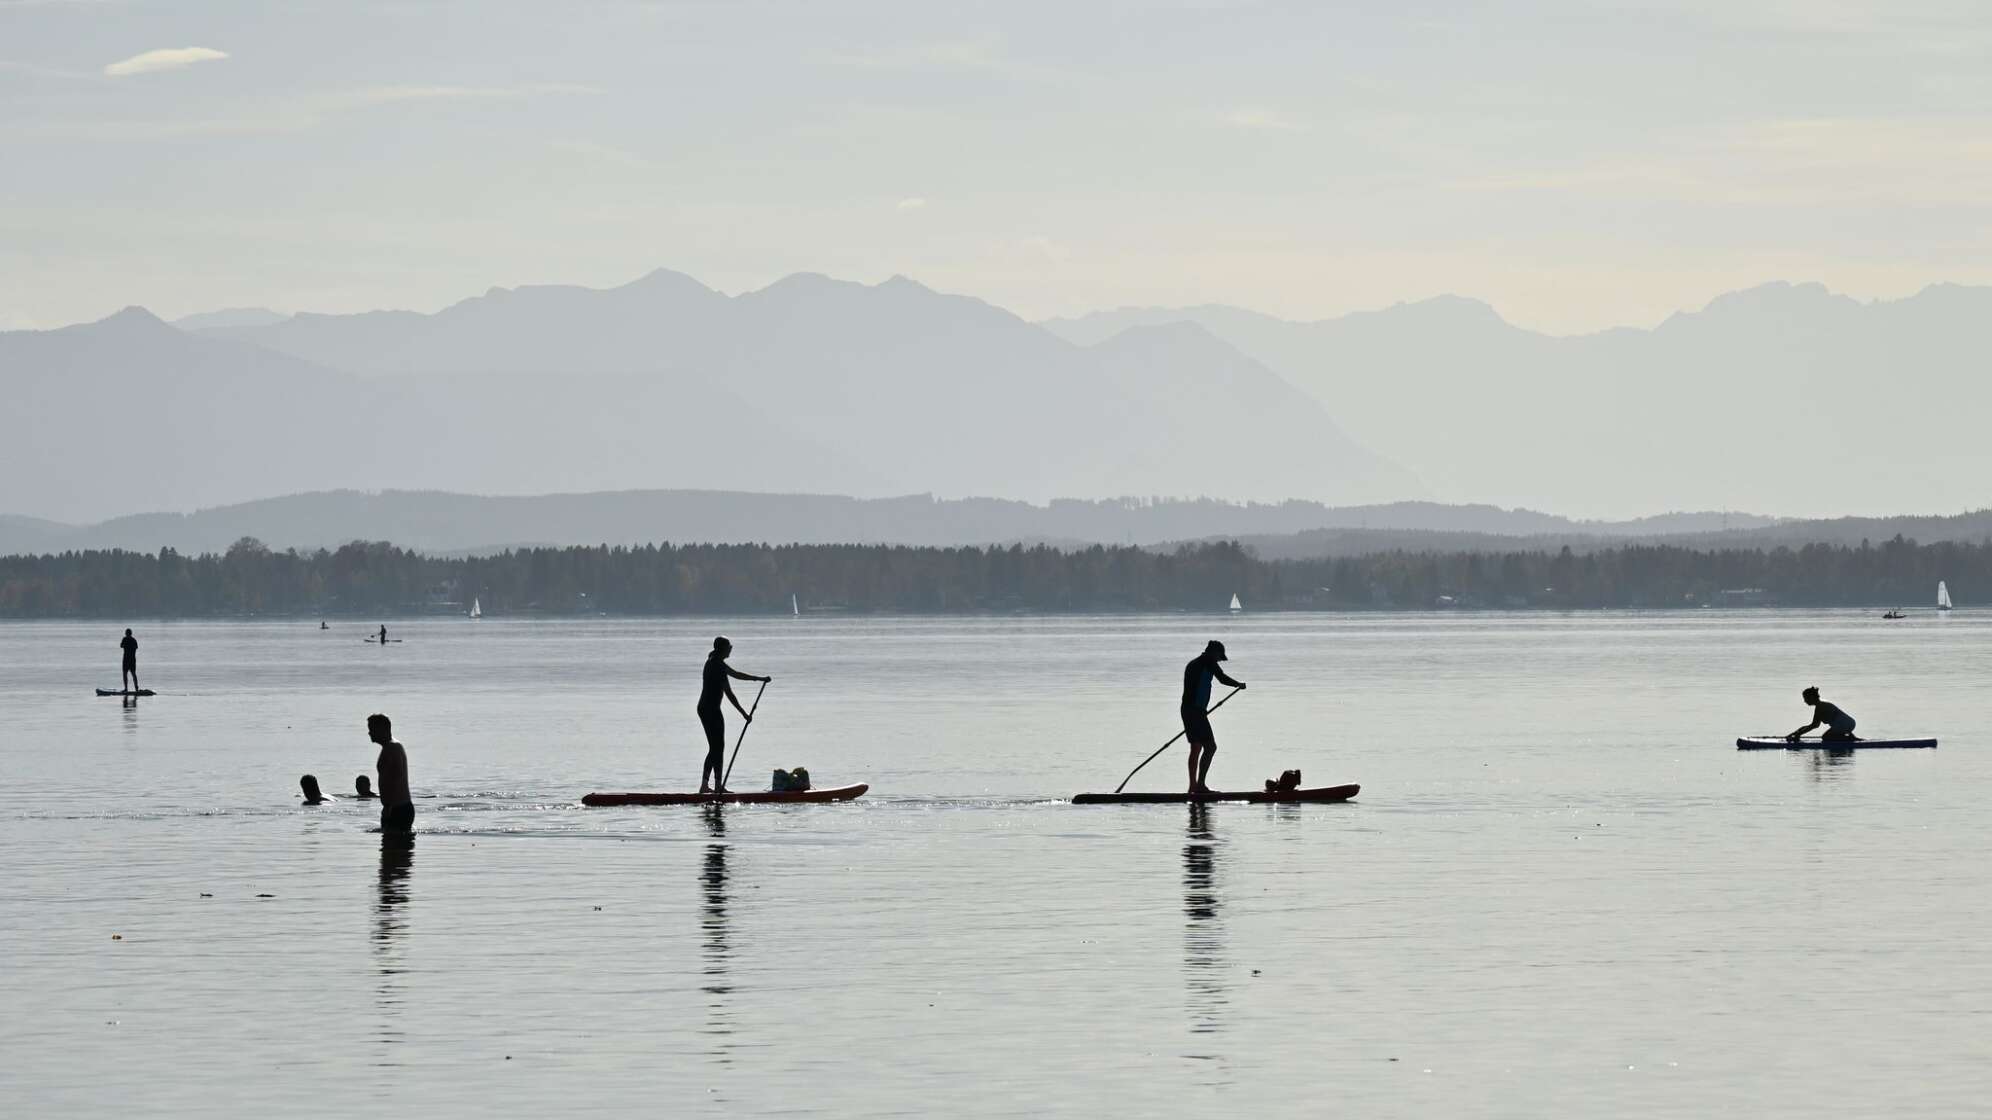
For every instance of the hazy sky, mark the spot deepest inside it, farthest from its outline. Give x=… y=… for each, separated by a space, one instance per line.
x=1577 y=164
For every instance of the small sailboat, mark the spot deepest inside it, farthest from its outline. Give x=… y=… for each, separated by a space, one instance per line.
x=795 y=608
x=476 y=608
x=1943 y=596
x=1235 y=604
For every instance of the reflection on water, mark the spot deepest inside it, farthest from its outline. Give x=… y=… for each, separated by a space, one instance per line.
x=397 y=859
x=1830 y=765
x=717 y=931
x=1203 y=930
x=130 y=706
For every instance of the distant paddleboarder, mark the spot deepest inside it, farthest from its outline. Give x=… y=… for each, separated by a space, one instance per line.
x=129 y=678
x=397 y=808
x=383 y=633
x=1197 y=676
x=715 y=685
x=1839 y=725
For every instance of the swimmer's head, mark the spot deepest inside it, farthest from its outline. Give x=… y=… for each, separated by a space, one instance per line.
x=362 y=786
x=309 y=784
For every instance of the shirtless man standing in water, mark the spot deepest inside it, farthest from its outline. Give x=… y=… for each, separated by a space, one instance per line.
x=397 y=808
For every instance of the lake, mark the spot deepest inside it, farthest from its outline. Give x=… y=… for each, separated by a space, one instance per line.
x=1561 y=891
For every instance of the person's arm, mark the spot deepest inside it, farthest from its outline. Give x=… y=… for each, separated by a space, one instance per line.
x=1219 y=674
x=1800 y=733
x=735 y=700
x=740 y=676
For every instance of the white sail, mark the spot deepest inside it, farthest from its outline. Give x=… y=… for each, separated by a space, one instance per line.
x=795 y=607
x=1943 y=596
x=476 y=609
x=1235 y=604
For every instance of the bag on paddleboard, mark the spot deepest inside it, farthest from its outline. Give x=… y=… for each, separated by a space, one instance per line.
x=1287 y=782
x=791 y=781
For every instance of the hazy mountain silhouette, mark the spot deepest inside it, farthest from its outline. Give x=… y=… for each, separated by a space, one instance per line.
x=230 y=317
x=130 y=412
x=1781 y=397
x=441 y=522
x=809 y=383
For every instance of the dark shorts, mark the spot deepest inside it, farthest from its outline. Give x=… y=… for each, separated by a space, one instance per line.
x=1196 y=728
x=131 y=664
x=398 y=818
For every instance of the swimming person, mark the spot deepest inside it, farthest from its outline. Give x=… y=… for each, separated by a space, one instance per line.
x=309 y=784
x=714 y=685
x=1839 y=725
x=397 y=808
x=363 y=789
x=1197 y=676
x=128 y=680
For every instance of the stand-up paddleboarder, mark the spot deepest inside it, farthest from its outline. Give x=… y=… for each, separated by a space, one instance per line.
x=1197 y=676
x=128 y=679
x=713 y=686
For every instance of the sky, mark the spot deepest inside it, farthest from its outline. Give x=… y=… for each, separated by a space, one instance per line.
x=1578 y=165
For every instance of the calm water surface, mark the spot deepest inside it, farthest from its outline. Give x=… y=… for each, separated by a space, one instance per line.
x=1562 y=892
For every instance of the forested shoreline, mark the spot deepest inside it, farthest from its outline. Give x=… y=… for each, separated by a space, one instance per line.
x=376 y=579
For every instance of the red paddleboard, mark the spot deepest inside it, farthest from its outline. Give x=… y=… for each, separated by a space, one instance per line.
x=757 y=797
x=1321 y=793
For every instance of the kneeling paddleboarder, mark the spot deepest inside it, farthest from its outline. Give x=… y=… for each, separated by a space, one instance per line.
x=1197 y=676
x=1839 y=725
x=713 y=686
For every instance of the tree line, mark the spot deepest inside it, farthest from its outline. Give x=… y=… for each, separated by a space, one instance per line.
x=370 y=579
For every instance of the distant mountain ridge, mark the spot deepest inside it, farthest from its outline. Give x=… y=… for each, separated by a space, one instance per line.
x=1782 y=396
x=448 y=523
x=808 y=383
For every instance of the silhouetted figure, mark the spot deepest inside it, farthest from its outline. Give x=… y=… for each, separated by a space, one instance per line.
x=309 y=784
x=1197 y=676
x=397 y=808
x=713 y=686
x=1839 y=725
x=128 y=680
x=363 y=789
x=383 y=633
x=322 y=626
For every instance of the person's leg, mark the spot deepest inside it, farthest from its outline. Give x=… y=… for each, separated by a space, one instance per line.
x=1203 y=767
x=715 y=760
x=1196 y=750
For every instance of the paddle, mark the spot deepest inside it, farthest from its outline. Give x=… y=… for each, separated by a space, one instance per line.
x=1170 y=743
x=743 y=733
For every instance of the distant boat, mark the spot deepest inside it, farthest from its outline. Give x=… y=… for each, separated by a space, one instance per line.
x=1235 y=604
x=1895 y=614
x=1943 y=596
x=476 y=609
x=795 y=607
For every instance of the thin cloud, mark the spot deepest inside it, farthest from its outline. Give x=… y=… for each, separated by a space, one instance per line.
x=168 y=58
x=912 y=203
x=1256 y=120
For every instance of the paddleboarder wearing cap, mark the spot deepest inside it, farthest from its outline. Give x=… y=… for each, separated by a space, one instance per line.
x=1197 y=676
x=714 y=685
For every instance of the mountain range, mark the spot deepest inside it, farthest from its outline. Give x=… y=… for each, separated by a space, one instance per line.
x=1783 y=396
x=454 y=523
x=809 y=383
